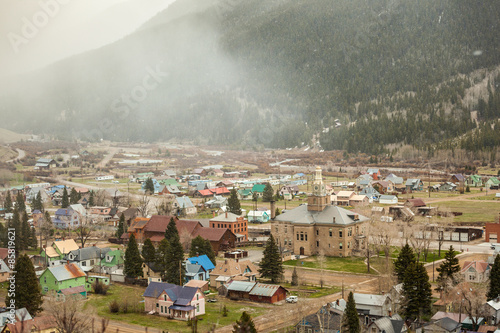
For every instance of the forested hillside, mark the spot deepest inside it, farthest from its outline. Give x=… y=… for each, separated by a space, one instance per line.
x=276 y=72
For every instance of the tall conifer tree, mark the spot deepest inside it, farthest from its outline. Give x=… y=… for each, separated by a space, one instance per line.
x=27 y=289
x=133 y=260
x=271 y=265
x=494 y=285
x=233 y=203
x=350 y=319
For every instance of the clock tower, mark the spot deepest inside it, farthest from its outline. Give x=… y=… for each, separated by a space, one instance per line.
x=318 y=200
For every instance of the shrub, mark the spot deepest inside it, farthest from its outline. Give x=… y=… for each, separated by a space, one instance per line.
x=114 y=307
x=99 y=288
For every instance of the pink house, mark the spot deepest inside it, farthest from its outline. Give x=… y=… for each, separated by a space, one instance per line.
x=172 y=301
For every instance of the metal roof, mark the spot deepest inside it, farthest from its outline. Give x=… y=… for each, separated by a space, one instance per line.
x=244 y=286
x=330 y=215
x=262 y=289
x=66 y=272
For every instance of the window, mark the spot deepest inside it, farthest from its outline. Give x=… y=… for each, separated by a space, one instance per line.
x=331 y=232
x=161 y=309
x=197 y=296
x=164 y=297
x=306 y=236
x=340 y=246
x=84 y=263
x=301 y=236
x=286 y=229
x=197 y=307
x=44 y=279
x=348 y=245
x=349 y=232
x=45 y=289
x=340 y=233
x=297 y=236
x=157 y=305
x=317 y=232
x=317 y=243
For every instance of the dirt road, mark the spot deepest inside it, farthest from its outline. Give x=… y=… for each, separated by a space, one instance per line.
x=20 y=155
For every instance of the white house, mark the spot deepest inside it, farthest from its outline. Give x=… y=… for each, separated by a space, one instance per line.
x=388 y=199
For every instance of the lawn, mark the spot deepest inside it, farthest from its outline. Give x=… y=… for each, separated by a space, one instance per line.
x=485 y=196
x=310 y=291
x=473 y=211
x=350 y=265
x=213 y=311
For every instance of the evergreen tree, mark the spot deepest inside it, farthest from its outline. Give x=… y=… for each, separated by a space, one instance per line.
x=295 y=277
x=25 y=232
x=3 y=236
x=7 y=203
x=233 y=203
x=38 y=203
x=268 y=193
x=350 y=319
x=416 y=292
x=162 y=258
x=133 y=260
x=494 y=286
x=277 y=212
x=171 y=230
x=200 y=246
x=121 y=227
x=149 y=186
x=27 y=289
x=33 y=240
x=20 y=204
x=245 y=324
x=73 y=196
x=271 y=265
x=65 y=198
x=405 y=258
x=449 y=267
x=175 y=259
x=91 y=201
x=148 y=252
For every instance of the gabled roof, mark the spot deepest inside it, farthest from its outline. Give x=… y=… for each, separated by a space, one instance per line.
x=205 y=193
x=87 y=253
x=494 y=180
x=64 y=212
x=3 y=253
x=184 y=202
x=181 y=296
x=258 y=188
x=193 y=269
x=412 y=182
x=458 y=176
x=388 y=197
x=233 y=268
x=475 y=178
x=245 y=286
x=65 y=246
x=196 y=283
x=73 y=290
x=202 y=260
x=159 y=223
x=266 y=290
x=370 y=299
x=66 y=272
x=494 y=304
x=212 y=234
x=447 y=324
x=478 y=266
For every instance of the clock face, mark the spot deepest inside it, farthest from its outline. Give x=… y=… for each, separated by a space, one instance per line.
x=316 y=187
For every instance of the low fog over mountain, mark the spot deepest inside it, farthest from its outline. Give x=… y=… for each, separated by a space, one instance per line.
x=259 y=72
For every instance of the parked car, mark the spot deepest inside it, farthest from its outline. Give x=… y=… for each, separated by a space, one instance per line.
x=292 y=299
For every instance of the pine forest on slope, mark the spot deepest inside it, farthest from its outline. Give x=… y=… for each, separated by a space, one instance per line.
x=276 y=72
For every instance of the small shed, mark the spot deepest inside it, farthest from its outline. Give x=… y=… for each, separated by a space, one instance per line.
x=202 y=285
x=267 y=293
x=240 y=289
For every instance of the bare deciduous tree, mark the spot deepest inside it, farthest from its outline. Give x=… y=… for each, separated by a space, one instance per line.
x=471 y=300
x=143 y=206
x=70 y=316
x=163 y=207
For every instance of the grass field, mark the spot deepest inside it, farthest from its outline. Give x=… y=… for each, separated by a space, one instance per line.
x=473 y=211
x=351 y=265
x=213 y=311
x=310 y=291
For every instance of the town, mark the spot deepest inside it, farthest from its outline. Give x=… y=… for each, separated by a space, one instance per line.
x=138 y=239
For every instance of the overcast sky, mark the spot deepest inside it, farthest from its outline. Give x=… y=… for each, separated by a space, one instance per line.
x=35 y=33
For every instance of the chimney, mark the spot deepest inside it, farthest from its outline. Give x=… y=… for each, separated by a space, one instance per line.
x=273 y=209
x=237 y=259
x=338 y=302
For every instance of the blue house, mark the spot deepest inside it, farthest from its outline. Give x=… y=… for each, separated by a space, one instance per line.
x=195 y=272
x=66 y=218
x=204 y=261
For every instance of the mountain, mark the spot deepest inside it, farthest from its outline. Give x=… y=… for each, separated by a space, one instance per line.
x=276 y=73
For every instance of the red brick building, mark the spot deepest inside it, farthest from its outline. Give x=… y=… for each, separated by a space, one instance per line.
x=492 y=231
x=237 y=224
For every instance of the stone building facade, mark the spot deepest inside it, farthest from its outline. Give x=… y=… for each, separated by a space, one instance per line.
x=319 y=227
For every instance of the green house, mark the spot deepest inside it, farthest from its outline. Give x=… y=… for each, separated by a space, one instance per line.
x=493 y=182
x=95 y=278
x=58 y=250
x=245 y=194
x=112 y=261
x=474 y=181
x=259 y=189
x=63 y=277
x=169 y=181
